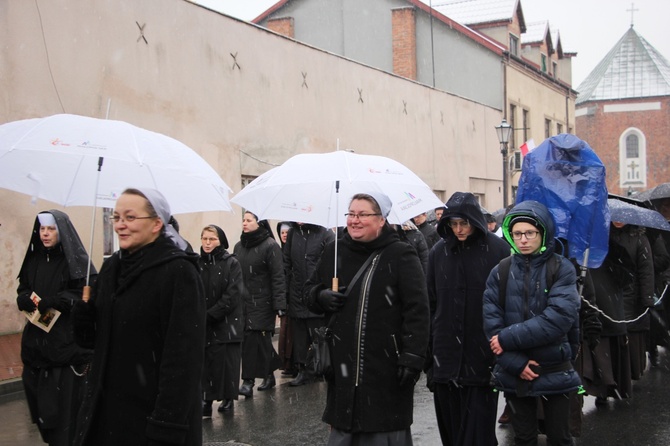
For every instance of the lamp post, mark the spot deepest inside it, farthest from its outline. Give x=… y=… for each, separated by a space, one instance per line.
x=504 y=130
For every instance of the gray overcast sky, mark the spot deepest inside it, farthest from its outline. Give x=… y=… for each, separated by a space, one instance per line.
x=588 y=27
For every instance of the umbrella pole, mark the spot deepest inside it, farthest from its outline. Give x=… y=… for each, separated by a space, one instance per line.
x=336 y=284
x=583 y=269
x=86 y=294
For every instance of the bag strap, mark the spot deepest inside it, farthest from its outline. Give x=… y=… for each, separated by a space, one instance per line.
x=362 y=269
x=503 y=273
x=553 y=265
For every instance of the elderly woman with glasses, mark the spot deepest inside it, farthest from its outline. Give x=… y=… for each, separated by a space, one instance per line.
x=146 y=323
x=533 y=330
x=380 y=325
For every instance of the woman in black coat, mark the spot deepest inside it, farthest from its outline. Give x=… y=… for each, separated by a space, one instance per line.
x=54 y=269
x=638 y=292
x=380 y=327
x=146 y=320
x=409 y=233
x=264 y=298
x=222 y=278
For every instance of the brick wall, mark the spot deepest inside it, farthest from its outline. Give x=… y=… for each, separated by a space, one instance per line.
x=284 y=26
x=403 y=23
x=603 y=130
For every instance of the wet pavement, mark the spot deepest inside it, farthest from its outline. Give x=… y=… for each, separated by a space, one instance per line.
x=292 y=416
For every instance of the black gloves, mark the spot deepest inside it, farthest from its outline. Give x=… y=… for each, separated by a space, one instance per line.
x=407 y=375
x=83 y=314
x=25 y=303
x=330 y=300
x=592 y=339
x=60 y=303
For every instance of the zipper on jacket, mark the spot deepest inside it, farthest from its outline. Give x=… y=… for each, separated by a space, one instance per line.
x=364 y=295
x=526 y=288
x=395 y=343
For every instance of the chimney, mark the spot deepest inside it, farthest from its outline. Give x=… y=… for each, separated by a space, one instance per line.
x=284 y=26
x=403 y=25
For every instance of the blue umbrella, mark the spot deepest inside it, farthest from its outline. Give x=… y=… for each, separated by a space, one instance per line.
x=636 y=215
x=566 y=175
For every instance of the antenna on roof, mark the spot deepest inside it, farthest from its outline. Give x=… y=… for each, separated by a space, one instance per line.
x=632 y=11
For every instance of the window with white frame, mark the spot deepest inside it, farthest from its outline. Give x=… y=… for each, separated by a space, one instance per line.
x=632 y=158
x=513 y=45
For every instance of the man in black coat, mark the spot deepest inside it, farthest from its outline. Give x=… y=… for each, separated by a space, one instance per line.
x=458 y=266
x=304 y=245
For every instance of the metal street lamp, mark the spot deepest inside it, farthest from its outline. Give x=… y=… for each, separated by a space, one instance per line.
x=504 y=131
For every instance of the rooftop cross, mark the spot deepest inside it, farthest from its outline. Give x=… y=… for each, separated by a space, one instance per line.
x=632 y=11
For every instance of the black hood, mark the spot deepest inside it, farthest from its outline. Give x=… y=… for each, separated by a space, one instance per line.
x=222 y=236
x=75 y=253
x=220 y=251
x=462 y=205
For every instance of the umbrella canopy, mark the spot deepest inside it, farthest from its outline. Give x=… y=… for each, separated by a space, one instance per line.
x=631 y=214
x=317 y=188
x=566 y=175
x=58 y=159
x=655 y=193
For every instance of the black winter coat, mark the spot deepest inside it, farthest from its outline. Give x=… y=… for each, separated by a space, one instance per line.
x=609 y=280
x=302 y=252
x=262 y=265
x=55 y=272
x=222 y=278
x=149 y=347
x=430 y=233
x=383 y=324
x=457 y=274
x=637 y=259
x=417 y=241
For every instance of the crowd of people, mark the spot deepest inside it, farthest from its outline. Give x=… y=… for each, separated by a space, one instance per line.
x=482 y=307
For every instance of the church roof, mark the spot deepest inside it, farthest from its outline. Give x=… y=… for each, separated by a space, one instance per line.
x=632 y=69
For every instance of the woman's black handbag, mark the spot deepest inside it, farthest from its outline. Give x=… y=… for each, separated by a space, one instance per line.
x=322 y=337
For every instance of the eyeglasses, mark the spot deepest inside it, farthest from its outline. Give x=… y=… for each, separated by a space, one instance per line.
x=209 y=239
x=530 y=235
x=457 y=223
x=361 y=216
x=127 y=218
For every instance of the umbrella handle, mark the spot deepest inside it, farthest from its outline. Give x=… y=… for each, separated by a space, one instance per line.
x=336 y=284
x=86 y=293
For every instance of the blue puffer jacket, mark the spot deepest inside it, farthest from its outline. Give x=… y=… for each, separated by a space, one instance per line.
x=536 y=323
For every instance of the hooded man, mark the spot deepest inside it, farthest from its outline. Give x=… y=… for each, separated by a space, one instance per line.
x=458 y=266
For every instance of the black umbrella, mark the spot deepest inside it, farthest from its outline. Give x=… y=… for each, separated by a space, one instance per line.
x=631 y=214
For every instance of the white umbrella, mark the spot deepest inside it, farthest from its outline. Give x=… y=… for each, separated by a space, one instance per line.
x=317 y=188
x=57 y=159
x=304 y=188
x=81 y=161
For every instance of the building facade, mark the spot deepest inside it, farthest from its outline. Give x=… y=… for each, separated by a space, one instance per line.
x=244 y=98
x=477 y=49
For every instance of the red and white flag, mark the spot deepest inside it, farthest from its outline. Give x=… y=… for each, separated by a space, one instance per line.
x=526 y=147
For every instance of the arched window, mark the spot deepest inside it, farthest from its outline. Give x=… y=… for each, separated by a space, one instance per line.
x=632 y=158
